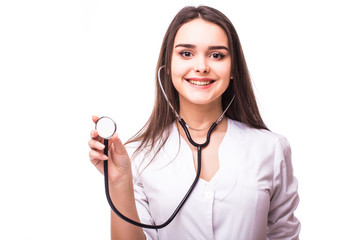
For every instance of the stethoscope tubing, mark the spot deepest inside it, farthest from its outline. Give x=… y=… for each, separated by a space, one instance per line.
x=139 y=224
x=198 y=146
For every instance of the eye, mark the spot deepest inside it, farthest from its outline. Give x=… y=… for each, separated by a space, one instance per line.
x=186 y=54
x=217 y=55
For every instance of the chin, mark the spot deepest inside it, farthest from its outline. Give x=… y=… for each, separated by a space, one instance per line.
x=202 y=100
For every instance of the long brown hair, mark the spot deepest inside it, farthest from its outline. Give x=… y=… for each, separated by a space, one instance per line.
x=244 y=108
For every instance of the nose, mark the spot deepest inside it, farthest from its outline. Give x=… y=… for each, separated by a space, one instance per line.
x=201 y=66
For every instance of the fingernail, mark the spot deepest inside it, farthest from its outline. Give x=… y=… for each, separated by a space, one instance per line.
x=104 y=157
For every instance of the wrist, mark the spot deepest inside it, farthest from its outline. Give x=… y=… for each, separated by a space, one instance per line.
x=123 y=183
x=122 y=195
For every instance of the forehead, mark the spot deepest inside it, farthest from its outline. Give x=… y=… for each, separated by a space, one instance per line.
x=201 y=32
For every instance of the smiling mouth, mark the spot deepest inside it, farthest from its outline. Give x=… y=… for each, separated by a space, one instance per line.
x=200 y=83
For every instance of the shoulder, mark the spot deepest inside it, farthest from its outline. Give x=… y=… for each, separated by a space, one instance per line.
x=257 y=137
x=264 y=147
x=132 y=147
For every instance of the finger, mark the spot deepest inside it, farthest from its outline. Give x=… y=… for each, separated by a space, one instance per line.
x=96 y=155
x=98 y=164
x=95 y=135
x=96 y=145
x=95 y=118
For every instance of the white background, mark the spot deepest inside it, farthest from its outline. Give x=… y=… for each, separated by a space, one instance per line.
x=63 y=61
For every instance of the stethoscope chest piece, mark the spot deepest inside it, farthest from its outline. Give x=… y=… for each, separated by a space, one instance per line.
x=106 y=127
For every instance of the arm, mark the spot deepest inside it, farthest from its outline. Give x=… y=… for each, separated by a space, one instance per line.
x=282 y=224
x=124 y=200
x=120 y=182
x=132 y=202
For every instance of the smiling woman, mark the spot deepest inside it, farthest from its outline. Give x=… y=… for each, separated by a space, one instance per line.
x=245 y=188
x=201 y=64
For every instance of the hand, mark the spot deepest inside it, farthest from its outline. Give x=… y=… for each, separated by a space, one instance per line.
x=119 y=165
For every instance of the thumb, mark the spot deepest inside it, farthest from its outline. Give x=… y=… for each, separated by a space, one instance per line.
x=117 y=145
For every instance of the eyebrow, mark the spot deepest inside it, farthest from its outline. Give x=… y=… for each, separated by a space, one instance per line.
x=193 y=46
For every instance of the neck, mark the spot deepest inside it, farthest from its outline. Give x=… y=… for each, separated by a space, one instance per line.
x=199 y=116
x=199 y=119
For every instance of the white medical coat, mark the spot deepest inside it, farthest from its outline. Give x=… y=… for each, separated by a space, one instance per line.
x=252 y=196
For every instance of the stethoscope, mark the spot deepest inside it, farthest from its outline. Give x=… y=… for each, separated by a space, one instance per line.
x=106 y=128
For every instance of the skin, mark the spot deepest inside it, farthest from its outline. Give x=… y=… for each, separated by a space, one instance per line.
x=200 y=53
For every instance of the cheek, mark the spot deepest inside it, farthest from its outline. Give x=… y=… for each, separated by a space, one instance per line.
x=223 y=70
x=179 y=69
x=175 y=64
x=225 y=86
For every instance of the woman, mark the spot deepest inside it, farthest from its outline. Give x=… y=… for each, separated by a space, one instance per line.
x=246 y=188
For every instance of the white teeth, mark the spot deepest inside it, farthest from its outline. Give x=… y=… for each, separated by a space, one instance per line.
x=200 y=83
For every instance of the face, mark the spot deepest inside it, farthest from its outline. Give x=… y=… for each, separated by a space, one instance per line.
x=201 y=62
